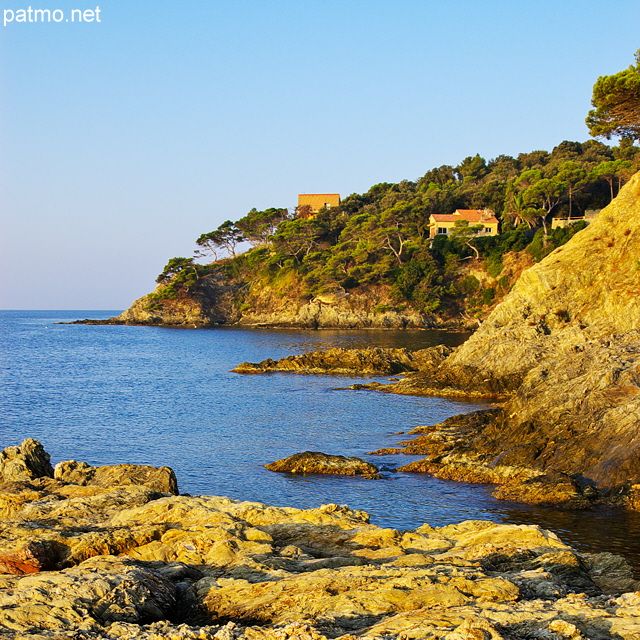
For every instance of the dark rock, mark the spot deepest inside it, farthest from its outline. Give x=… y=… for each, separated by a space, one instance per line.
x=31 y=557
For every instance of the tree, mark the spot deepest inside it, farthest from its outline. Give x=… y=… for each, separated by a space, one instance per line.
x=466 y=232
x=227 y=236
x=472 y=168
x=297 y=237
x=173 y=267
x=258 y=226
x=616 y=99
x=574 y=177
x=547 y=193
x=611 y=170
x=518 y=209
x=528 y=178
x=179 y=274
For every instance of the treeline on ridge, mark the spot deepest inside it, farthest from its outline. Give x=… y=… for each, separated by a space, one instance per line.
x=381 y=238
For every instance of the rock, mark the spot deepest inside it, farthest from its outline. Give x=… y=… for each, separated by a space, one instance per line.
x=25 y=462
x=443 y=437
x=86 y=597
x=316 y=462
x=378 y=361
x=351 y=598
x=161 y=479
x=610 y=572
x=125 y=562
x=30 y=557
x=551 y=488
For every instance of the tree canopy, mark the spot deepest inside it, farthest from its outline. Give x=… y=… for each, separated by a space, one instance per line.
x=616 y=101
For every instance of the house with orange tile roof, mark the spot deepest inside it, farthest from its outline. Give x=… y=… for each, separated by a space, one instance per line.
x=443 y=223
x=310 y=203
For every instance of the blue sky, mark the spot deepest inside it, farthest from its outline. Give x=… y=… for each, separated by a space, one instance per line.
x=121 y=141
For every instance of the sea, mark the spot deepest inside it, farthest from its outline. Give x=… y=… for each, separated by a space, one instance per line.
x=167 y=397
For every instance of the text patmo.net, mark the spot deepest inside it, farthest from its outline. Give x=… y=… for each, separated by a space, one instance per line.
x=50 y=15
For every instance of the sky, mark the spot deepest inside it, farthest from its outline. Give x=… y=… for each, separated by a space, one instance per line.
x=125 y=136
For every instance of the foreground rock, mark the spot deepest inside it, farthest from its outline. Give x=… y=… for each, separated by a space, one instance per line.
x=127 y=562
x=160 y=479
x=371 y=361
x=316 y=462
x=25 y=462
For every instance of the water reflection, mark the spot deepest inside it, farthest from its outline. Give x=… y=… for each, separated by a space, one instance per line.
x=299 y=341
x=600 y=529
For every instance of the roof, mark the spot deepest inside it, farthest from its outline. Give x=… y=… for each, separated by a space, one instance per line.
x=337 y=195
x=444 y=217
x=470 y=215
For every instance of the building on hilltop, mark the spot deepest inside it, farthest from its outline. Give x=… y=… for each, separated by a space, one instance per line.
x=310 y=203
x=443 y=223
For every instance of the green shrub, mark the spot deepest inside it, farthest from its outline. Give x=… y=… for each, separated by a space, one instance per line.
x=488 y=296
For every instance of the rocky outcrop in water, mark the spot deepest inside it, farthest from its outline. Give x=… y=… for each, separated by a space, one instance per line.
x=317 y=462
x=95 y=562
x=371 y=361
x=445 y=446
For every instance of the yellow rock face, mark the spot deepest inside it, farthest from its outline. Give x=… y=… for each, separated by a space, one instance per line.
x=588 y=288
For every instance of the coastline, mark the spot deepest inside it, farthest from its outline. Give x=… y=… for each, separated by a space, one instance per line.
x=118 y=553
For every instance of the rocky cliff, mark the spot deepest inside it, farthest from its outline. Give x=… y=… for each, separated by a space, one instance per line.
x=219 y=301
x=565 y=346
x=102 y=561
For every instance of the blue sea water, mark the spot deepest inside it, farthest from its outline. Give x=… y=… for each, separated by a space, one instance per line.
x=150 y=395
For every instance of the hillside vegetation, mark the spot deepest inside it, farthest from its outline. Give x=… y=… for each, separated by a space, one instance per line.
x=373 y=252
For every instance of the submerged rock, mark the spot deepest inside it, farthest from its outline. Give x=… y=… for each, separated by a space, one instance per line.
x=317 y=462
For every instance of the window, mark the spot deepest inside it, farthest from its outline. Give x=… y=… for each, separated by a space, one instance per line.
x=487 y=229
x=442 y=230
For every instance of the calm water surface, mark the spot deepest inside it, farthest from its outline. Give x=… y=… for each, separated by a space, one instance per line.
x=148 y=395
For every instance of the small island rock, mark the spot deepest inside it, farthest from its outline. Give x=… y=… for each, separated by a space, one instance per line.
x=317 y=462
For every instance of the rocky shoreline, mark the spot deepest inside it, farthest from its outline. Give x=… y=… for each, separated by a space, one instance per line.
x=560 y=353
x=116 y=553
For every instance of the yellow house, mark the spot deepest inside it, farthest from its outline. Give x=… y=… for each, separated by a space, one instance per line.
x=310 y=203
x=443 y=223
